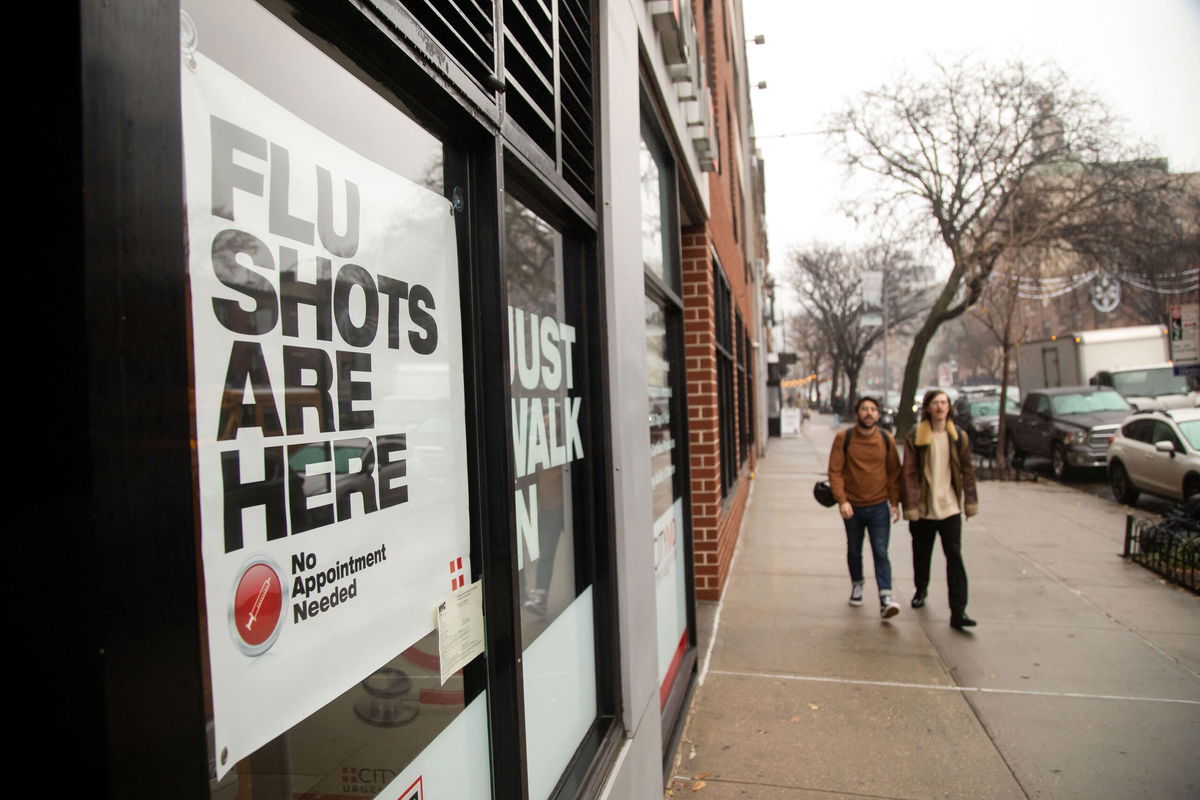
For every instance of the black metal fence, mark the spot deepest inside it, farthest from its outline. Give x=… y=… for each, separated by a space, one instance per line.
x=1170 y=547
x=986 y=469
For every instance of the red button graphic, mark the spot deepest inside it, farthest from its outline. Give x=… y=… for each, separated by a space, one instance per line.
x=257 y=604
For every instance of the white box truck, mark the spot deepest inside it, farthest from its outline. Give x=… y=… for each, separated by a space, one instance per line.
x=1135 y=361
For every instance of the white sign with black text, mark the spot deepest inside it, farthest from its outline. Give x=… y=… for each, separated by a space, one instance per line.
x=329 y=409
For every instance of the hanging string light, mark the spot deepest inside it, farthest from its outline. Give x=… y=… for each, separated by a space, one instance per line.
x=1106 y=296
x=1187 y=280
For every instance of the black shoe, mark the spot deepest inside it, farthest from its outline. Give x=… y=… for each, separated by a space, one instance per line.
x=918 y=600
x=961 y=622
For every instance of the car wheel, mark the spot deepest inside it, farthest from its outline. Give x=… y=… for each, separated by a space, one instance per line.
x=1011 y=453
x=1191 y=486
x=1058 y=463
x=1123 y=488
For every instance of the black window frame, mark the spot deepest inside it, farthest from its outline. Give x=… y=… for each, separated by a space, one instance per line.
x=668 y=295
x=725 y=357
x=593 y=524
x=132 y=508
x=744 y=406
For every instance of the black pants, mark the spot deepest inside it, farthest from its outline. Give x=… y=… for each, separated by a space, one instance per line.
x=923 y=532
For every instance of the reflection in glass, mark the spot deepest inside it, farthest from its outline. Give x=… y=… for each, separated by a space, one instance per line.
x=652 y=216
x=547 y=392
x=662 y=442
x=670 y=573
x=296 y=75
x=541 y=369
x=356 y=744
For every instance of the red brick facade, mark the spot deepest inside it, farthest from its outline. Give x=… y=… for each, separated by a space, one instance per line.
x=717 y=518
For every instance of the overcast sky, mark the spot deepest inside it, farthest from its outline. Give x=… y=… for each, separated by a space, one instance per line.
x=1142 y=57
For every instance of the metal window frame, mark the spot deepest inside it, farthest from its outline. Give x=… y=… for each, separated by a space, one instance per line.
x=128 y=394
x=668 y=295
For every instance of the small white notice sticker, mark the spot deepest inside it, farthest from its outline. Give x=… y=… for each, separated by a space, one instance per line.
x=460 y=628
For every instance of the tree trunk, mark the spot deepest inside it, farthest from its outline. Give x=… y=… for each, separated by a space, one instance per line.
x=912 y=376
x=1006 y=349
x=852 y=371
x=1002 y=430
x=916 y=354
x=833 y=385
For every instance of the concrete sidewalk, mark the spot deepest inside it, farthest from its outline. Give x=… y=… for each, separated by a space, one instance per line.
x=1082 y=679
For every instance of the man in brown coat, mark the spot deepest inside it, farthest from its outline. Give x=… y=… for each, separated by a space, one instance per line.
x=864 y=476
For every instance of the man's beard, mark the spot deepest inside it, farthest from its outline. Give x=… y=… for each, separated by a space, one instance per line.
x=867 y=424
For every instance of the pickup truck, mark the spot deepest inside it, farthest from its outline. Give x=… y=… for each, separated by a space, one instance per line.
x=1070 y=425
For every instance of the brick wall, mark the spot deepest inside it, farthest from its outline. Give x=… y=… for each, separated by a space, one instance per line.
x=715 y=522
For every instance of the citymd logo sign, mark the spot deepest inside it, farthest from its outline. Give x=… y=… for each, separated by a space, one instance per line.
x=256 y=607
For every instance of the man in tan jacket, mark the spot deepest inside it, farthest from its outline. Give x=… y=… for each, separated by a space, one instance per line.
x=939 y=490
x=864 y=476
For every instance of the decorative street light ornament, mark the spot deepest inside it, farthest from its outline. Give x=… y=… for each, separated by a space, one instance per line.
x=1106 y=292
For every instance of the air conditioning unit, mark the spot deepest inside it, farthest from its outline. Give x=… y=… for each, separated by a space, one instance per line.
x=701 y=129
x=676 y=29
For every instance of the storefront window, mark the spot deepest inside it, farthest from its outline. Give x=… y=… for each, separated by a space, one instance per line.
x=658 y=211
x=670 y=572
x=329 y=424
x=726 y=413
x=667 y=416
x=549 y=450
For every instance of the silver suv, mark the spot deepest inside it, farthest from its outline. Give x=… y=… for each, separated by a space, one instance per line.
x=1156 y=452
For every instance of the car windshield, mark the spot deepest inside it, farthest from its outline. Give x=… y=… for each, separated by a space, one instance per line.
x=1192 y=431
x=1149 y=382
x=985 y=408
x=1065 y=404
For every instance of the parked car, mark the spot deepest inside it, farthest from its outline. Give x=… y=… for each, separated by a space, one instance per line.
x=1071 y=426
x=1014 y=392
x=1157 y=452
x=979 y=415
x=1150 y=386
x=919 y=395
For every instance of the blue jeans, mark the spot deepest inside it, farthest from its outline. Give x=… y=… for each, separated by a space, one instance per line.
x=876 y=521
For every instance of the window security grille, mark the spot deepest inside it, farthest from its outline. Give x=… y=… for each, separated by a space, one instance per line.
x=548 y=73
x=466 y=29
x=547 y=69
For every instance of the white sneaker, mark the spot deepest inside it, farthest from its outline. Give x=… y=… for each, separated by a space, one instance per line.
x=856 y=594
x=888 y=607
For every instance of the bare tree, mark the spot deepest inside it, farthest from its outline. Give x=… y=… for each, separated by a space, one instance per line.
x=985 y=159
x=998 y=310
x=829 y=283
x=809 y=342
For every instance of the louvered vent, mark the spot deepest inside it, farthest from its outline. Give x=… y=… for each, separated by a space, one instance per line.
x=465 y=28
x=575 y=66
x=554 y=111
x=529 y=69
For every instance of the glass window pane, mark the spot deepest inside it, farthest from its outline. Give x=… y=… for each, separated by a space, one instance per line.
x=658 y=220
x=668 y=528
x=652 y=221
x=547 y=393
x=314 y=417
